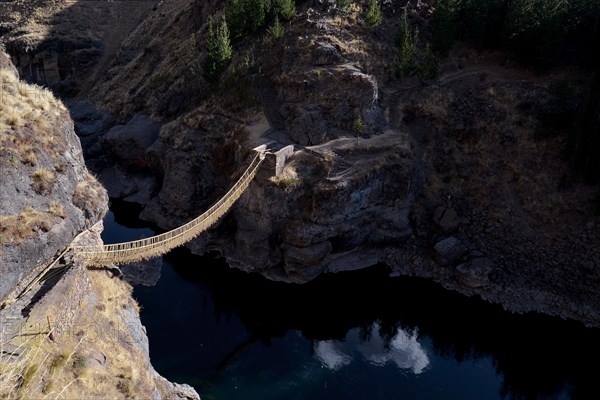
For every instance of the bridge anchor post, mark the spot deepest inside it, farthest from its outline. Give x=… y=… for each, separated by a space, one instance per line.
x=274 y=162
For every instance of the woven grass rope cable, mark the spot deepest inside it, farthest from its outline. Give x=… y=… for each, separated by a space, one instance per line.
x=143 y=249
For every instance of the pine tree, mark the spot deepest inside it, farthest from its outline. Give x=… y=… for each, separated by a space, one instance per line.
x=404 y=29
x=408 y=54
x=287 y=9
x=236 y=18
x=219 y=51
x=255 y=14
x=373 y=16
x=276 y=31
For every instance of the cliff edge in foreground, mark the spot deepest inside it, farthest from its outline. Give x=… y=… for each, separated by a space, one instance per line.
x=76 y=333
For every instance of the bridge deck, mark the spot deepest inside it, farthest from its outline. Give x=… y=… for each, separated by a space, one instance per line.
x=143 y=249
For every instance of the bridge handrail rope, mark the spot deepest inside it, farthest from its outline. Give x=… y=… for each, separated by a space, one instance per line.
x=138 y=250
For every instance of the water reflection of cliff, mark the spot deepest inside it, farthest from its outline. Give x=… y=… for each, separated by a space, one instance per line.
x=538 y=357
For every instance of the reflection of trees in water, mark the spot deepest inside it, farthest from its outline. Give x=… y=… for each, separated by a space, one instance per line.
x=537 y=356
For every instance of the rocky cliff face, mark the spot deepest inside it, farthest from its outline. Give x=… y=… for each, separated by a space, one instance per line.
x=330 y=210
x=46 y=192
x=51 y=42
x=84 y=338
x=417 y=176
x=446 y=179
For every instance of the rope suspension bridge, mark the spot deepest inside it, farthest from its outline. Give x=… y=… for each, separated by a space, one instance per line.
x=143 y=249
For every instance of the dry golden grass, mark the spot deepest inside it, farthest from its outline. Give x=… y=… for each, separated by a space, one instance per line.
x=63 y=367
x=29 y=156
x=39 y=367
x=42 y=181
x=29 y=223
x=23 y=103
x=89 y=194
x=288 y=179
x=57 y=210
x=28 y=120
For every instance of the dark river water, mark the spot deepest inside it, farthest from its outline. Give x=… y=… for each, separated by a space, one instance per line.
x=352 y=336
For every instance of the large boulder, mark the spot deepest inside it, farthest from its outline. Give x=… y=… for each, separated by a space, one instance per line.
x=123 y=162
x=128 y=143
x=475 y=273
x=449 y=250
x=326 y=54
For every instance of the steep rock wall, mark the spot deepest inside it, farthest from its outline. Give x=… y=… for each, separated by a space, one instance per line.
x=46 y=194
x=84 y=337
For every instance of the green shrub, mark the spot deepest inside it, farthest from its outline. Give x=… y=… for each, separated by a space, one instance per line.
x=429 y=66
x=358 y=126
x=276 y=31
x=245 y=17
x=250 y=64
x=286 y=8
x=373 y=16
x=255 y=14
x=407 y=41
x=236 y=18
x=404 y=28
x=412 y=60
x=218 y=49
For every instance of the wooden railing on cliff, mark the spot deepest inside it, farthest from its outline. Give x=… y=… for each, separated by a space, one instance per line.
x=138 y=250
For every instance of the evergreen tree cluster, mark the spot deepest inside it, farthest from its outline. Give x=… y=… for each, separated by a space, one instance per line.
x=248 y=16
x=537 y=31
x=412 y=58
x=218 y=49
x=541 y=33
x=242 y=17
